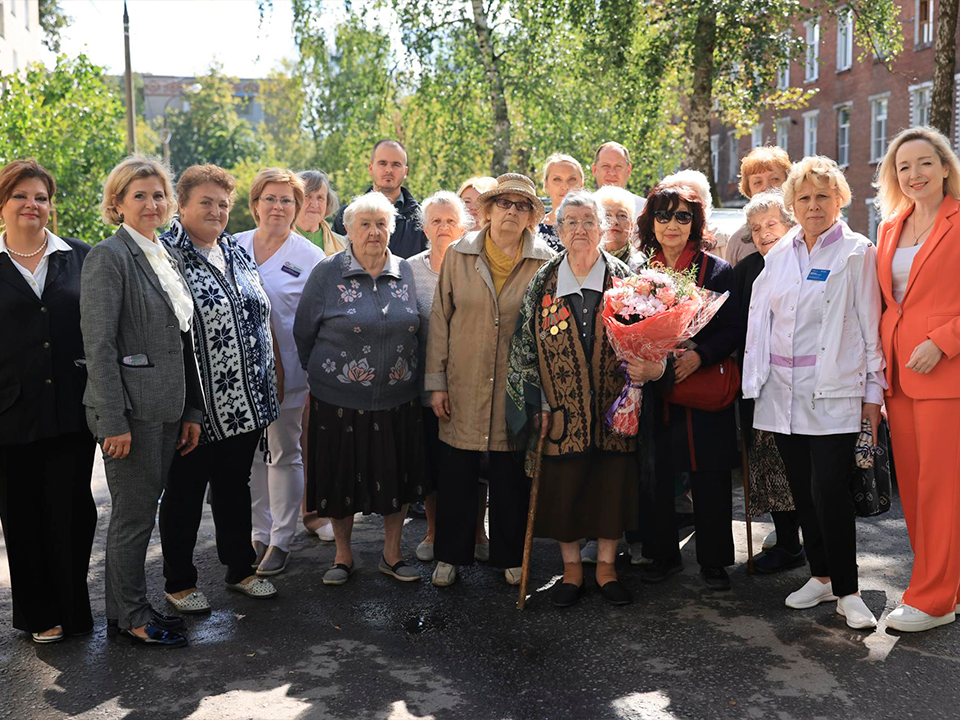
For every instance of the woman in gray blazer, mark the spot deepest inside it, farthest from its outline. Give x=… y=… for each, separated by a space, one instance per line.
x=143 y=397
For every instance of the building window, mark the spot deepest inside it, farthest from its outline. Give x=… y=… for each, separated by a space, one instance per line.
x=873 y=220
x=844 y=39
x=783 y=76
x=810 y=132
x=920 y=103
x=16 y=62
x=783 y=134
x=715 y=157
x=923 y=27
x=878 y=127
x=733 y=161
x=756 y=136
x=2 y=34
x=26 y=13
x=812 y=60
x=843 y=136
x=13 y=8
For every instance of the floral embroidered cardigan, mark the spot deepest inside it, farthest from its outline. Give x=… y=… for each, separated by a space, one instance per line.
x=357 y=336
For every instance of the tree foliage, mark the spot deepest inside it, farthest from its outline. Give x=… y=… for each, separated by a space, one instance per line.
x=53 y=21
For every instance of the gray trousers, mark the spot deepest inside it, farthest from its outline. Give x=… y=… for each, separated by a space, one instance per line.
x=135 y=484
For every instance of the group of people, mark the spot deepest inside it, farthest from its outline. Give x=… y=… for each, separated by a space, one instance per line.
x=416 y=352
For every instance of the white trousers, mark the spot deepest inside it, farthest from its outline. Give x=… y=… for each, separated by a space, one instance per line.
x=276 y=488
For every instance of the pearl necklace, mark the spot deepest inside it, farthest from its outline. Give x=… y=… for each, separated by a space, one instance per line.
x=28 y=255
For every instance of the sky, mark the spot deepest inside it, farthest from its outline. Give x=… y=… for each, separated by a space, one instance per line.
x=181 y=37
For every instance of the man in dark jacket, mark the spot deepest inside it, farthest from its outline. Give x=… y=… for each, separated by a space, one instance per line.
x=388 y=169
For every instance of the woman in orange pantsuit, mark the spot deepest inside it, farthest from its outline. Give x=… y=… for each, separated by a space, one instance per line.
x=918 y=186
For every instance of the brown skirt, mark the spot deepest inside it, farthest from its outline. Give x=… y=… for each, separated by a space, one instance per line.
x=596 y=495
x=769 y=489
x=365 y=461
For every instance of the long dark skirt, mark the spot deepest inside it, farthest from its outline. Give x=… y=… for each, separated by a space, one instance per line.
x=594 y=495
x=365 y=461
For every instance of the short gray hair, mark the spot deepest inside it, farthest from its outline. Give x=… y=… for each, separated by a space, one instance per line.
x=695 y=180
x=313 y=180
x=372 y=202
x=768 y=200
x=613 y=193
x=449 y=199
x=582 y=198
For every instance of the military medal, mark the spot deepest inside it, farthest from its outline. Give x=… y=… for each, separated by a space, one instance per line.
x=554 y=315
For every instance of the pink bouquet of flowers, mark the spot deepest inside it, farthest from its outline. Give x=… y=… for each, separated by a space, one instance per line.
x=647 y=316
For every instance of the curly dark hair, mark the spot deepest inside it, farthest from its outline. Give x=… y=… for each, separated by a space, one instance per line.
x=669 y=198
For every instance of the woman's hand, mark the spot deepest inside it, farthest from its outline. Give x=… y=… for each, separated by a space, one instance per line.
x=686 y=365
x=118 y=446
x=544 y=423
x=642 y=371
x=925 y=357
x=189 y=437
x=440 y=402
x=871 y=413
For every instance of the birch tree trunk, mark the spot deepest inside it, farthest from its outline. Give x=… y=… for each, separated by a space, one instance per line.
x=945 y=59
x=500 y=163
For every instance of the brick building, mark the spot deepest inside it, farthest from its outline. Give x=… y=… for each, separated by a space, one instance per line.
x=858 y=108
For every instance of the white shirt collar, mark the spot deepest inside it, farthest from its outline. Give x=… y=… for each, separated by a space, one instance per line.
x=141 y=240
x=54 y=244
x=567 y=283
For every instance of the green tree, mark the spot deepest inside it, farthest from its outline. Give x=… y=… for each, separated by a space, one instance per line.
x=284 y=101
x=53 y=21
x=70 y=121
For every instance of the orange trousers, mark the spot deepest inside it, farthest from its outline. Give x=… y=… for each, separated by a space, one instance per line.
x=926 y=450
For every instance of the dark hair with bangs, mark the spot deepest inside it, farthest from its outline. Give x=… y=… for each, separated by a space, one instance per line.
x=669 y=198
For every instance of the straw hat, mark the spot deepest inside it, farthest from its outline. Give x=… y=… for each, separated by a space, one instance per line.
x=516 y=184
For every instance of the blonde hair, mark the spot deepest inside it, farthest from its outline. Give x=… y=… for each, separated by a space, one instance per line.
x=762 y=159
x=822 y=172
x=135 y=167
x=480 y=183
x=890 y=197
x=559 y=158
x=276 y=175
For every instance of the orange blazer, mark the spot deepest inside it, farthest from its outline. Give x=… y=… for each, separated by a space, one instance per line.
x=930 y=307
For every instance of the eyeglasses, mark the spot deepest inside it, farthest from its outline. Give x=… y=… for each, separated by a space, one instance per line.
x=271 y=200
x=587 y=225
x=664 y=216
x=520 y=205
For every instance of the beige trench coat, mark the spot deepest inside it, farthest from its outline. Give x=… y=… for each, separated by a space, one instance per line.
x=469 y=340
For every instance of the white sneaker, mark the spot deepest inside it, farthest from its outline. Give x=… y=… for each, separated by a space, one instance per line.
x=810 y=595
x=770 y=540
x=425 y=551
x=858 y=615
x=512 y=575
x=444 y=574
x=588 y=554
x=325 y=532
x=908 y=619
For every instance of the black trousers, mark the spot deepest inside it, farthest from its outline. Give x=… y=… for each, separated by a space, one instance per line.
x=818 y=470
x=225 y=465
x=49 y=519
x=458 y=504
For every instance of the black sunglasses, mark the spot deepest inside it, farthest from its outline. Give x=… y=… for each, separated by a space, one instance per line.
x=520 y=205
x=664 y=216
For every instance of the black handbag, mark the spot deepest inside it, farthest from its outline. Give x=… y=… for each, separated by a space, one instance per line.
x=873 y=474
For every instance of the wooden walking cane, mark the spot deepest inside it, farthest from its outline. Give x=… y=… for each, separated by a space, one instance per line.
x=531 y=516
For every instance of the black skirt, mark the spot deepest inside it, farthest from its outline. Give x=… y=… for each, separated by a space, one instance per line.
x=370 y=461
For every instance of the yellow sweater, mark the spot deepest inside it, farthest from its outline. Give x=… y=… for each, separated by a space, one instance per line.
x=501 y=264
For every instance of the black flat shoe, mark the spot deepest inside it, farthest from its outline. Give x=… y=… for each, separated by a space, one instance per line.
x=156 y=637
x=715 y=578
x=166 y=622
x=566 y=595
x=615 y=593
x=659 y=570
x=778 y=558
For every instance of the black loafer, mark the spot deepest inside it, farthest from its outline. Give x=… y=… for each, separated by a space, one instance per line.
x=659 y=570
x=566 y=595
x=166 y=622
x=779 y=558
x=615 y=593
x=715 y=578
x=156 y=637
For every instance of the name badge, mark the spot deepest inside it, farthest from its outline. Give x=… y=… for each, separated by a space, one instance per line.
x=818 y=275
x=291 y=269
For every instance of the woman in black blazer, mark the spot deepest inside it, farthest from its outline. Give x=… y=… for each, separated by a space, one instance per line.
x=46 y=451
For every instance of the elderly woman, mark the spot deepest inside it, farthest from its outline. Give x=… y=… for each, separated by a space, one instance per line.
x=620 y=208
x=284 y=260
x=143 y=397
x=672 y=229
x=470 y=189
x=319 y=203
x=813 y=363
x=589 y=474
x=765 y=168
x=46 y=451
x=769 y=221
x=231 y=321
x=482 y=282
x=358 y=334
x=445 y=218
x=561 y=174
x=919 y=253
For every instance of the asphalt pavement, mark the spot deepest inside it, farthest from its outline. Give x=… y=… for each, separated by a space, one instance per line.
x=380 y=650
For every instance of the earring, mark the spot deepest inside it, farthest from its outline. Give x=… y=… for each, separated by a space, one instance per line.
x=121 y=217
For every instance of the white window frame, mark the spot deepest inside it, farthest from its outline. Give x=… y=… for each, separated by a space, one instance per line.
x=811 y=120
x=733 y=159
x=756 y=136
x=844 y=39
x=843 y=133
x=920 y=98
x=811 y=65
x=879 y=120
x=783 y=134
x=715 y=158
x=924 y=33
x=26 y=13
x=873 y=220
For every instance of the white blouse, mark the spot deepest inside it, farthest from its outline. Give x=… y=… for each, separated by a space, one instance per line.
x=900 y=268
x=37 y=279
x=170 y=280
